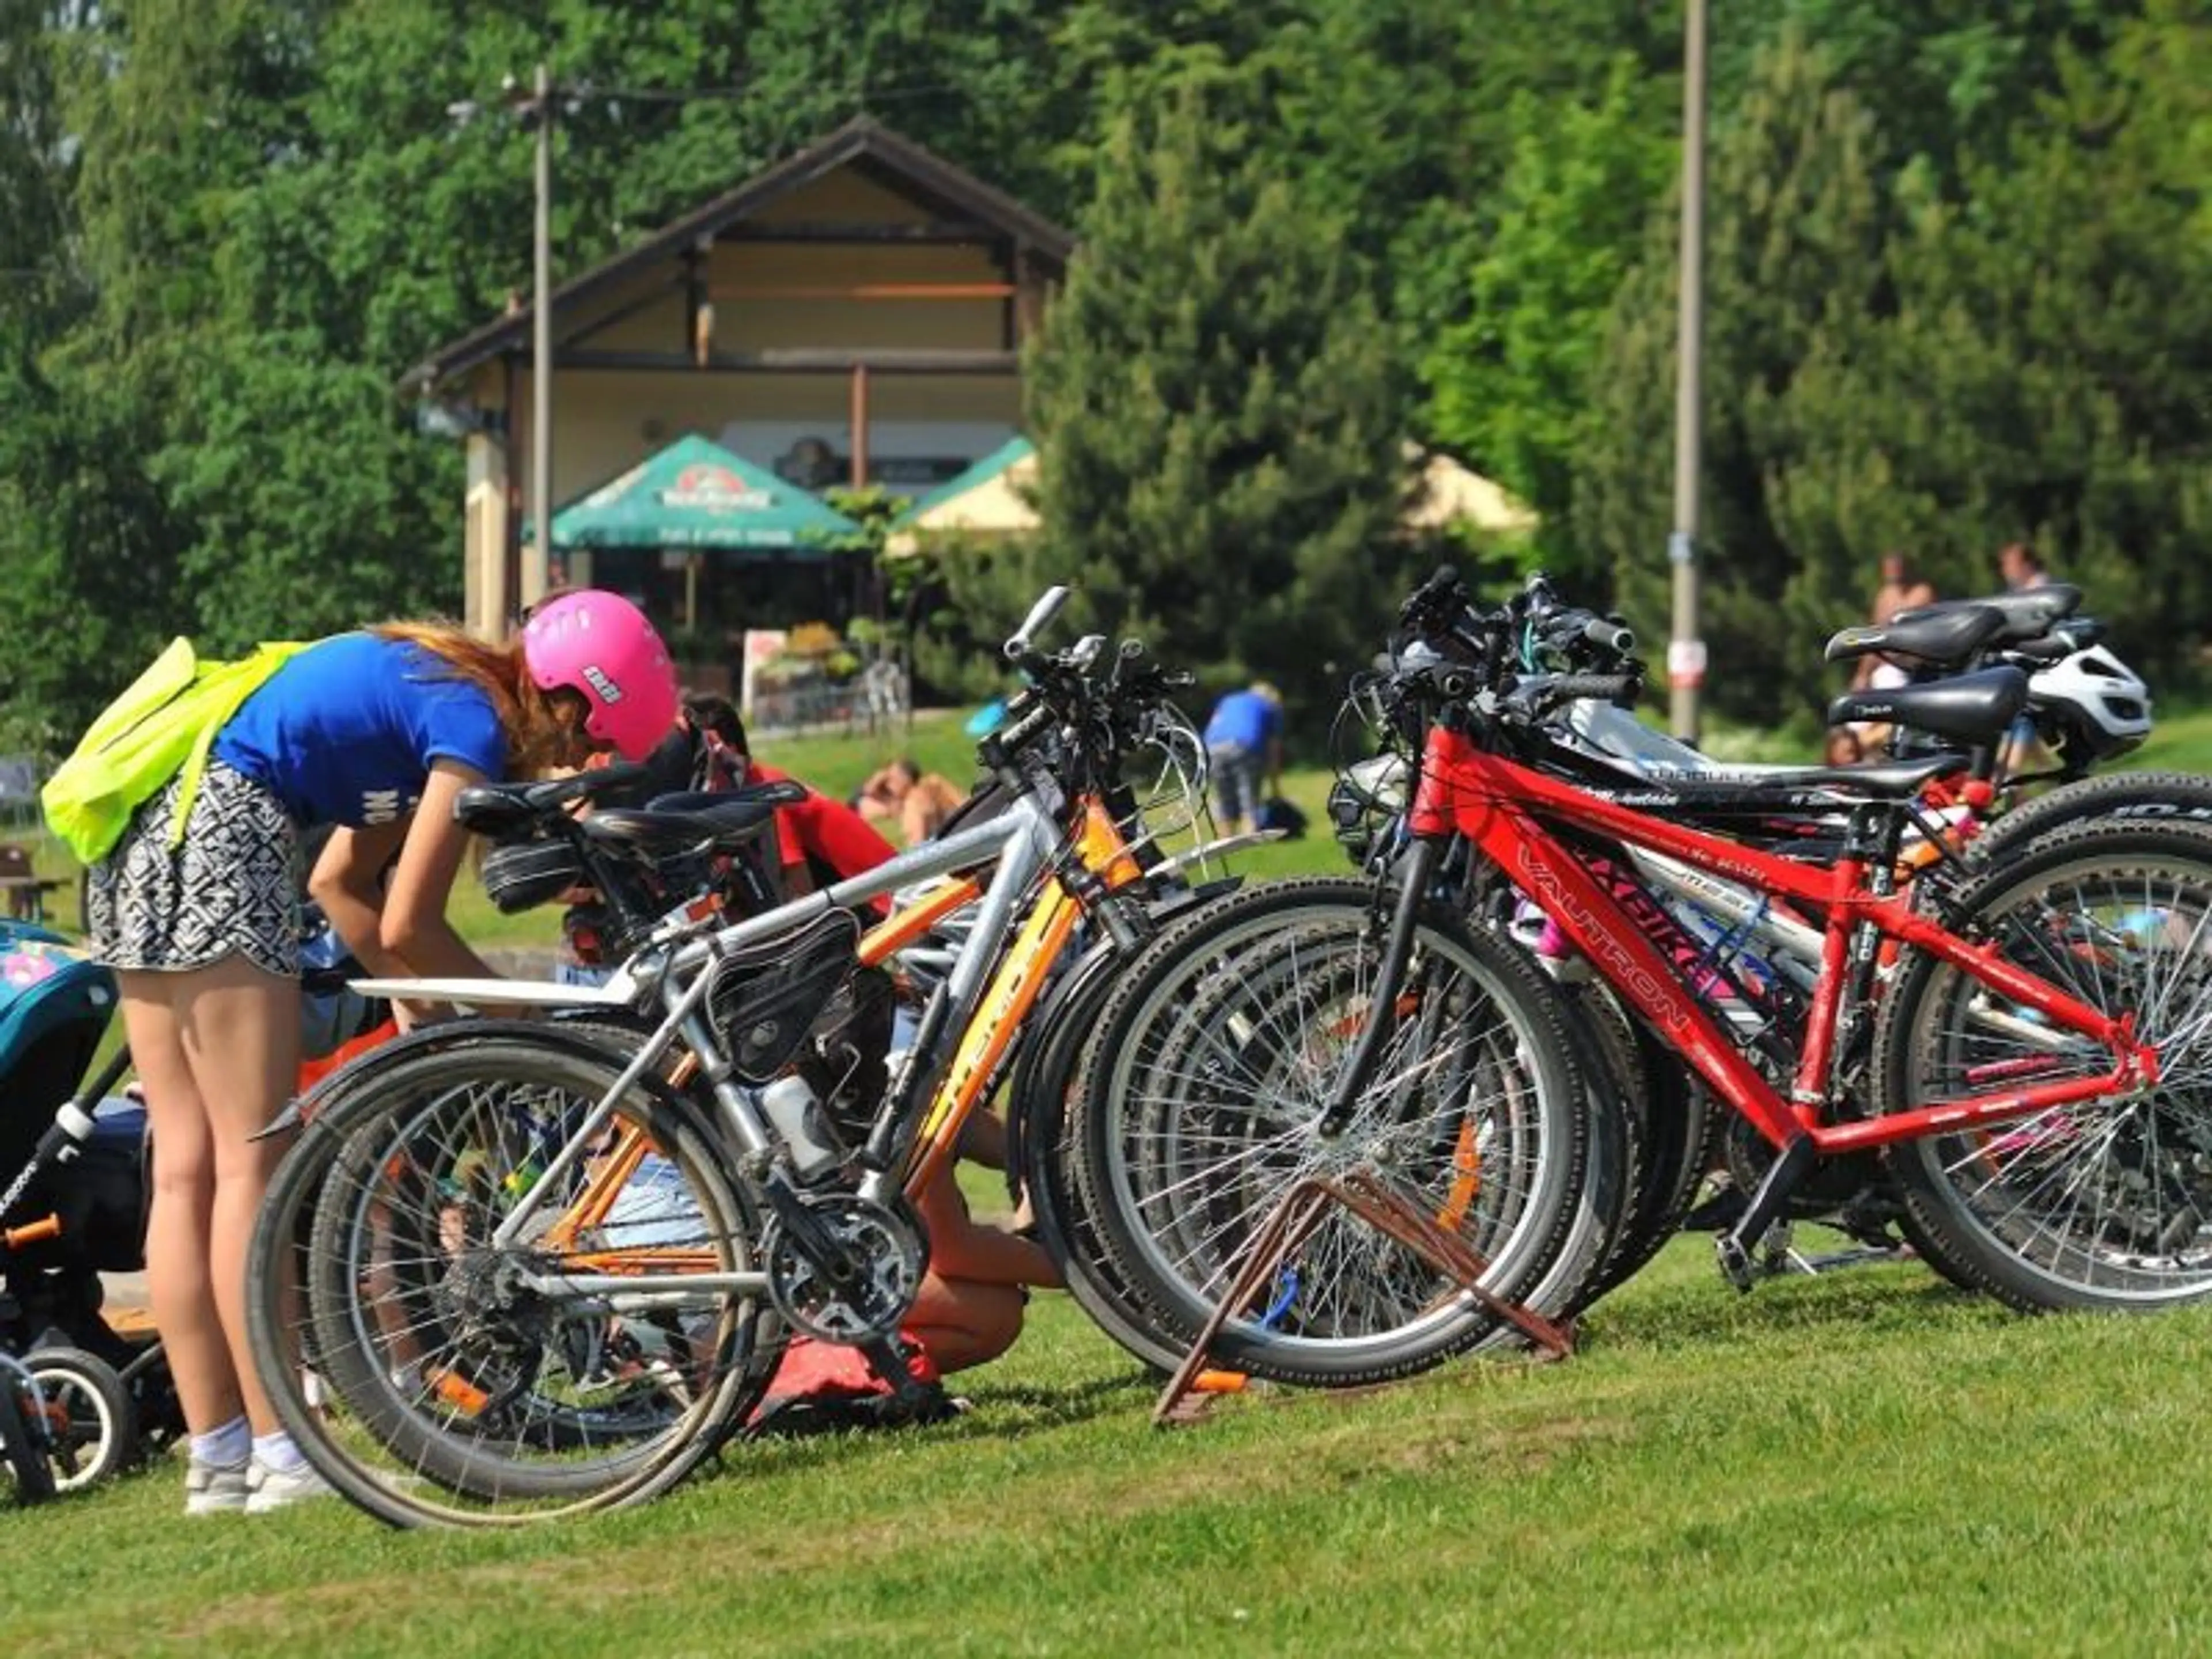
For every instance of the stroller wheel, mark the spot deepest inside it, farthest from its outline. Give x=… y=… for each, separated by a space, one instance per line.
x=22 y=1438
x=91 y=1426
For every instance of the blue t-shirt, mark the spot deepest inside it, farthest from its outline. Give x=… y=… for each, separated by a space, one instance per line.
x=1244 y=718
x=345 y=732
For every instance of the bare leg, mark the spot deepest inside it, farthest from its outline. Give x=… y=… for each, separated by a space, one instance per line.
x=177 y=1281
x=241 y=1037
x=984 y=1139
x=964 y=1323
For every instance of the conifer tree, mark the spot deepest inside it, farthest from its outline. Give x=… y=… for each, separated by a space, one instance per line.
x=1217 y=414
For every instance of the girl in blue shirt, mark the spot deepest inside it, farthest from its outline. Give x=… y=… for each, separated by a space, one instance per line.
x=377 y=734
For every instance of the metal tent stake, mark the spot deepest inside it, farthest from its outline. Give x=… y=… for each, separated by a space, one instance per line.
x=1391 y=1213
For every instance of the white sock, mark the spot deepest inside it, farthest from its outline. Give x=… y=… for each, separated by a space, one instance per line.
x=225 y=1447
x=276 y=1453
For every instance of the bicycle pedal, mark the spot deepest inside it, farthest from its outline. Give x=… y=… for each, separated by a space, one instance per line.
x=1735 y=1261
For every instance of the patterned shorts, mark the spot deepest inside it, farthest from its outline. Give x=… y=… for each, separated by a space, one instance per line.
x=233 y=885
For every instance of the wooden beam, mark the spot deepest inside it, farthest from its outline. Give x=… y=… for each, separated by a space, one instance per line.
x=694 y=298
x=801 y=360
x=861 y=232
x=743 y=292
x=859 y=426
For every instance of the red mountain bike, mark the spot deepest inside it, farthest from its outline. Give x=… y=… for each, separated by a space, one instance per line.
x=2035 y=1081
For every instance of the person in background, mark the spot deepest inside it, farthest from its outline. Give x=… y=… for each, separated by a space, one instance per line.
x=1244 y=753
x=376 y=732
x=2020 y=568
x=2023 y=749
x=903 y=793
x=819 y=841
x=972 y=1301
x=1902 y=588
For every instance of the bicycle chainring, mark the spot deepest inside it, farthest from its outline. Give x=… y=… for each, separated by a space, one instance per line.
x=887 y=1249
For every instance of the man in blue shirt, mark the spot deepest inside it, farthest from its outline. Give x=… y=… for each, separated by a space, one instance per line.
x=1244 y=750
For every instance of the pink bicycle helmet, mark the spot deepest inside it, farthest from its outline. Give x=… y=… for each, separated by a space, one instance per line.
x=600 y=644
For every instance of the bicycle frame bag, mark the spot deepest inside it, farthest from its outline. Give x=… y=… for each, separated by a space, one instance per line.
x=162 y=726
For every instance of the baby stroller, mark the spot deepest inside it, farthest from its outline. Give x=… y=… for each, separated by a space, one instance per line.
x=81 y=1394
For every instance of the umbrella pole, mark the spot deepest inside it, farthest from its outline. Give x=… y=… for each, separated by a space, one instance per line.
x=691 y=593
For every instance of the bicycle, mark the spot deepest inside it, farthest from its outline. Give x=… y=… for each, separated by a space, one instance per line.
x=511 y=1220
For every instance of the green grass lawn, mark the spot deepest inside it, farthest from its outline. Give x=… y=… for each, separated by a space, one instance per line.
x=1867 y=1464
x=1870 y=1463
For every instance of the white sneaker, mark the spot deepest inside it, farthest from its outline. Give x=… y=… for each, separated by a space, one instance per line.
x=273 y=1489
x=217 y=1488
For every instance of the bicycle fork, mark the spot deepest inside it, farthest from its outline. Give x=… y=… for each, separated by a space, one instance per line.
x=1389 y=980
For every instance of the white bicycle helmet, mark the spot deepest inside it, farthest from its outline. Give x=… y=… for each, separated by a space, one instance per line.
x=2093 y=704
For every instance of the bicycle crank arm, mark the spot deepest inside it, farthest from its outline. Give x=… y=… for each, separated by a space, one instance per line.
x=823 y=1249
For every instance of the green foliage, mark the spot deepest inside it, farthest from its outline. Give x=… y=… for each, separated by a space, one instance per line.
x=1215 y=408
x=1507 y=383
x=1936 y=370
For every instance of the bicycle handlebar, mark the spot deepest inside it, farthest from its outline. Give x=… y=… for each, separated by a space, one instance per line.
x=1046 y=607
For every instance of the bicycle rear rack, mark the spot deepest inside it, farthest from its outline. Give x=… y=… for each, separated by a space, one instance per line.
x=1291 y=1222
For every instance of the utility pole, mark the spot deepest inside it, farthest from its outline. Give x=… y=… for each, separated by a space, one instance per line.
x=1686 y=647
x=533 y=574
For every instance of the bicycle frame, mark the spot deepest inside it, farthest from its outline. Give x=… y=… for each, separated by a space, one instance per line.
x=1501 y=805
x=1023 y=841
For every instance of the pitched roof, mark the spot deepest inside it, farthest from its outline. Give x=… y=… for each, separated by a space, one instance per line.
x=902 y=162
x=987 y=499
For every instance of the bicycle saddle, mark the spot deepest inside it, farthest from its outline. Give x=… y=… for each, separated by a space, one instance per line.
x=1972 y=709
x=1938 y=634
x=720 y=822
x=2029 y=614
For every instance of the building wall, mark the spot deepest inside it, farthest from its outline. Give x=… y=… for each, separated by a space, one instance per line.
x=921 y=428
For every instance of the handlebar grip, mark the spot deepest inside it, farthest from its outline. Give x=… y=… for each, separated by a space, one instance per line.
x=32 y=1232
x=1023 y=731
x=1610 y=635
x=1043 y=611
x=1580 y=688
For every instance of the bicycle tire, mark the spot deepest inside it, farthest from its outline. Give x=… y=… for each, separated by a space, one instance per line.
x=1955 y=1232
x=1680 y=1131
x=449 y=1476
x=85 y=1392
x=1215 y=950
x=1044 y=1085
x=2154 y=799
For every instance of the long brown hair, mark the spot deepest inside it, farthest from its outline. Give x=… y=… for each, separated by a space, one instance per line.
x=542 y=726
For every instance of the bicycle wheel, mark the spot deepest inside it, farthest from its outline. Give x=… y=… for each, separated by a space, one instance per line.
x=2152 y=800
x=1045 y=1095
x=22 y=1447
x=1202 y=1097
x=2102 y=1204
x=1674 y=1134
x=472 y=1387
x=1680 y=1136
x=91 y=1426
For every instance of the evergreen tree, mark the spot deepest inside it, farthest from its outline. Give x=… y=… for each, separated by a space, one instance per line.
x=1214 y=404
